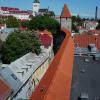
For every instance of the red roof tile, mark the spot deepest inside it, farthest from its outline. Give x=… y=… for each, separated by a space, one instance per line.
x=56 y=83
x=84 y=40
x=5 y=90
x=65 y=12
x=22 y=28
x=14 y=10
x=9 y=9
x=45 y=39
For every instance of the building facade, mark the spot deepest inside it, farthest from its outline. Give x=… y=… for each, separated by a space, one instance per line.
x=90 y=25
x=15 y=12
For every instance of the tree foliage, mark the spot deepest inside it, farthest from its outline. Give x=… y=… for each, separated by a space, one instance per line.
x=2 y=21
x=76 y=21
x=74 y=28
x=98 y=27
x=25 y=23
x=43 y=22
x=12 y=22
x=20 y=43
x=1 y=45
x=50 y=14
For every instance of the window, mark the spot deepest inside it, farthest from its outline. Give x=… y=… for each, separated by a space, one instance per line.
x=14 y=77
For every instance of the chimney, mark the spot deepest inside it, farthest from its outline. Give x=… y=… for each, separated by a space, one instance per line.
x=96 y=13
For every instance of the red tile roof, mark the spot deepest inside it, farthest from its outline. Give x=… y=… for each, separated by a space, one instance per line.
x=84 y=40
x=9 y=9
x=94 y=32
x=14 y=10
x=56 y=83
x=22 y=28
x=5 y=90
x=45 y=39
x=65 y=12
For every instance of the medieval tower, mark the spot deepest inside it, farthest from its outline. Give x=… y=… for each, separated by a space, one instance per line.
x=65 y=18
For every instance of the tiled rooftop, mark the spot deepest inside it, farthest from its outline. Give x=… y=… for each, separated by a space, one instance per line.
x=5 y=90
x=65 y=13
x=14 y=10
x=84 y=40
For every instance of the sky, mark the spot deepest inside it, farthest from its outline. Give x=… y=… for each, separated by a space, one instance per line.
x=85 y=8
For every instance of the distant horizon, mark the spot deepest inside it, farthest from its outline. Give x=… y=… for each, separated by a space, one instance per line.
x=83 y=8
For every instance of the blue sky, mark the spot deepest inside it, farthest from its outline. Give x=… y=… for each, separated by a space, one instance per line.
x=82 y=7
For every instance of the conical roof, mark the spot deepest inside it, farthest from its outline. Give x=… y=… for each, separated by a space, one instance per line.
x=65 y=12
x=36 y=1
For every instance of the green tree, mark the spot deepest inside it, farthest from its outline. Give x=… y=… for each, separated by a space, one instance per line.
x=44 y=22
x=12 y=22
x=50 y=14
x=20 y=43
x=74 y=28
x=1 y=45
x=2 y=21
x=98 y=27
x=77 y=20
x=25 y=23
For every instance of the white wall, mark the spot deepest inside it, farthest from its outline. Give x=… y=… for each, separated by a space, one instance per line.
x=25 y=92
x=18 y=16
x=66 y=23
x=36 y=7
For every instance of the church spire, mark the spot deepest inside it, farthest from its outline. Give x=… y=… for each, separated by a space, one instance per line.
x=36 y=1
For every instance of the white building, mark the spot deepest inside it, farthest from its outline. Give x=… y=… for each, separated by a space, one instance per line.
x=16 y=12
x=36 y=7
x=90 y=25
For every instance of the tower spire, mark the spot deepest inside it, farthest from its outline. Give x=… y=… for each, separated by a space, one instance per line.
x=65 y=12
x=36 y=1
